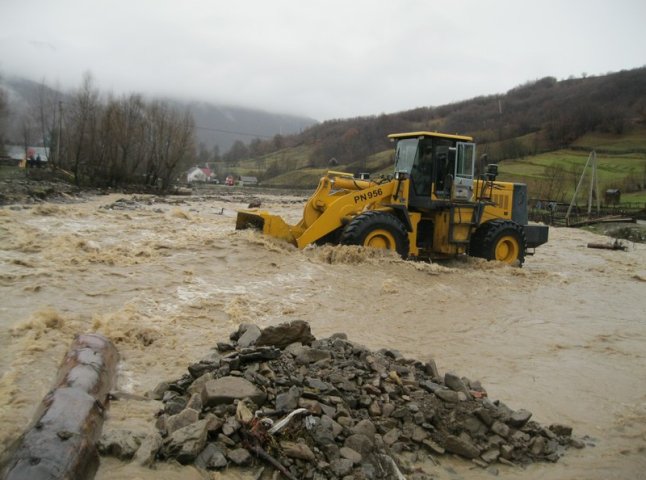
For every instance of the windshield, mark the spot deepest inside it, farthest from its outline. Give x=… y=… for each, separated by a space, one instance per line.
x=405 y=155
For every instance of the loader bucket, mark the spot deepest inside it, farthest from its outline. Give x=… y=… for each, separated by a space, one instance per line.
x=268 y=224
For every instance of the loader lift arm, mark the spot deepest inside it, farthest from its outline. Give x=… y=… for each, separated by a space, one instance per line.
x=338 y=198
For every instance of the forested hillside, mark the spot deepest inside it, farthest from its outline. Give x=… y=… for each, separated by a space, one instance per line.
x=537 y=117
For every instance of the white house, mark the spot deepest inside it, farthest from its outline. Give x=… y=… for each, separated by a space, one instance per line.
x=197 y=174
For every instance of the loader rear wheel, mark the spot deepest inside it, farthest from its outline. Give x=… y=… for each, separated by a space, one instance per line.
x=500 y=240
x=377 y=229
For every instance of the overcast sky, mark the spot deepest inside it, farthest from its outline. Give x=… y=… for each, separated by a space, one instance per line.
x=324 y=59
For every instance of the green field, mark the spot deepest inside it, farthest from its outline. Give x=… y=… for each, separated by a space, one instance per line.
x=629 y=141
x=609 y=167
x=555 y=175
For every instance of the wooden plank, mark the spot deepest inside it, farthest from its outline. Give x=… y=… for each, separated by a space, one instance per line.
x=60 y=442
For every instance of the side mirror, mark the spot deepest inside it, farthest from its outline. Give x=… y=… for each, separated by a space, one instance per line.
x=492 y=171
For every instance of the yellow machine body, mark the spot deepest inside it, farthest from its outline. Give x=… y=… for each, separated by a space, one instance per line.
x=433 y=206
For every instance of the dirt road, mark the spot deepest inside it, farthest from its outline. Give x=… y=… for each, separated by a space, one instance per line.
x=563 y=337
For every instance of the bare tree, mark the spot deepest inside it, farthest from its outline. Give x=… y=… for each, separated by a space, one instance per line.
x=81 y=120
x=172 y=144
x=46 y=112
x=4 y=113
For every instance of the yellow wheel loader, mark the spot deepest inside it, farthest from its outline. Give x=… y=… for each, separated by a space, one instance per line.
x=431 y=207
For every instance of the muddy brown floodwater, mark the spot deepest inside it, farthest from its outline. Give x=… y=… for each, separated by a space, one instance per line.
x=564 y=337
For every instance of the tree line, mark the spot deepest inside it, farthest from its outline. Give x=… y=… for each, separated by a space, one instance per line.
x=112 y=141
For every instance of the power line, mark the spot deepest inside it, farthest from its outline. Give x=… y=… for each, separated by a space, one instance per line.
x=256 y=135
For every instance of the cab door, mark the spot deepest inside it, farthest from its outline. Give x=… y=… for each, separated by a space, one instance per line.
x=464 y=171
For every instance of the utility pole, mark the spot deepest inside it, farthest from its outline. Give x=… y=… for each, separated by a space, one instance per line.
x=60 y=127
x=592 y=158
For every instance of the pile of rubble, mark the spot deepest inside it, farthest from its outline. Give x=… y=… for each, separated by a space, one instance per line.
x=332 y=409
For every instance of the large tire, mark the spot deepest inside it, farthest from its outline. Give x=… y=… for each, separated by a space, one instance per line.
x=377 y=229
x=500 y=240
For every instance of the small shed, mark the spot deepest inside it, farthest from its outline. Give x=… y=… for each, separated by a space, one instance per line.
x=612 y=196
x=246 y=181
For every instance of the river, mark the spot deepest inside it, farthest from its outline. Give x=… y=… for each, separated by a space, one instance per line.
x=165 y=279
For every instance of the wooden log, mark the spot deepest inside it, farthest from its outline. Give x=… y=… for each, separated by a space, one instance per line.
x=60 y=443
x=608 y=246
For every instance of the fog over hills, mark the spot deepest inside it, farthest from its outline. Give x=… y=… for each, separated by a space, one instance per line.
x=219 y=125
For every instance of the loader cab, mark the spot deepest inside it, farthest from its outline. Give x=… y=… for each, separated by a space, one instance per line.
x=440 y=167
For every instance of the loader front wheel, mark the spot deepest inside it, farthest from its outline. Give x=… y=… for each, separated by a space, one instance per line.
x=377 y=229
x=503 y=241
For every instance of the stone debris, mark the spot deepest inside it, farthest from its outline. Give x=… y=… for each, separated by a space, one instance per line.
x=355 y=413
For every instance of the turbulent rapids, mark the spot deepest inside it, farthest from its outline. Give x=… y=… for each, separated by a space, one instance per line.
x=167 y=278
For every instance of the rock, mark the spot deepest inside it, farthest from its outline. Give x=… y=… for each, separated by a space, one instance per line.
x=506 y=451
x=195 y=402
x=198 y=369
x=485 y=415
x=576 y=443
x=455 y=383
x=387 y=409
x=474 y=426
x=175 y=405
x=352 y=455
x=311 y=355
x=297 y=450
x=240 y=456
x=500 y=428
x=561 y=430
x=537 y=446
x=490 y=455
x=158 y=392
x=519 y=418
x=419 y=434
x=244 y=414
x=312 y=406
x=362 y=407
x=187 y=442
x=282 y=335
x=231 y=426
x=359 y=443
x=211 y=458
x=288 y=401
x=147 y=451
x=227 y=389
x=331 y=425
x=462 y=447
x=448 y=396
x=198 y=384
x=430 y=386
x=249 y=337
x=318 y=384
x=431 y=369
x=519 y=438
x=182 y=419
x=341 y=466
x=374 y=409
x=122 y=444
x=224 y=440
x=434 y=447
x=365 y=427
